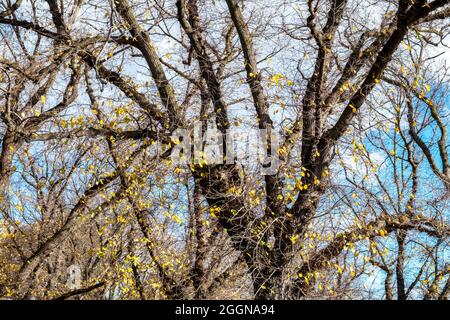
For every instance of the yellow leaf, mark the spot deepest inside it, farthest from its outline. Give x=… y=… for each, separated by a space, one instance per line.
x=177 y=219
x=294 y=238
x=276 y=78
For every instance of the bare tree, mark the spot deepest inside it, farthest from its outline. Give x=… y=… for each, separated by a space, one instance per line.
x=93 y=93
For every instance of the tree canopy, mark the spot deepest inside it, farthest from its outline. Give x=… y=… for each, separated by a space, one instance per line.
x=93 y=204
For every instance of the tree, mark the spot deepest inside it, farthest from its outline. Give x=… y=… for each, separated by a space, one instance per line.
x=94 y=93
